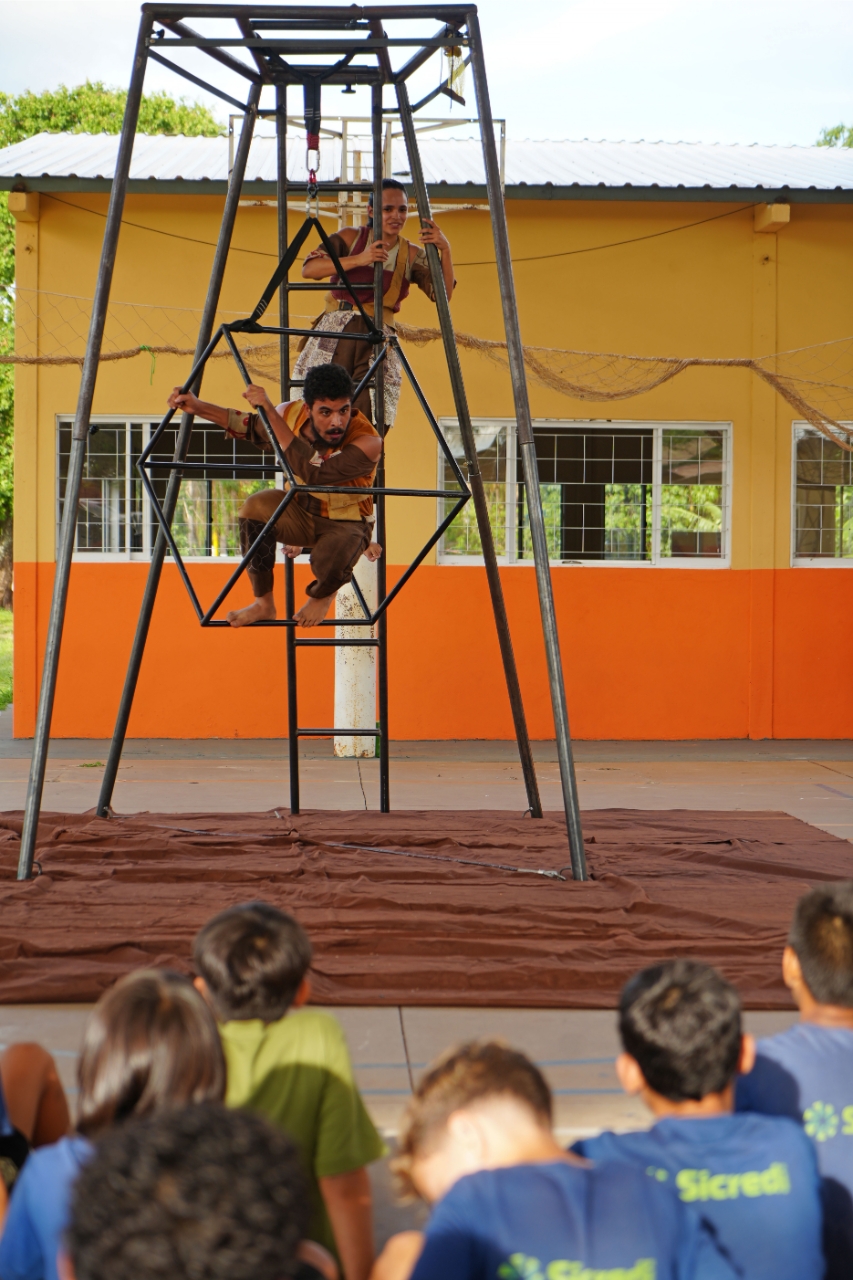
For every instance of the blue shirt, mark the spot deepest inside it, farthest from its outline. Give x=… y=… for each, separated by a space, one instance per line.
x=806 y=1073
x=38 y=1210
x=754 y=1179
x=558 y=1221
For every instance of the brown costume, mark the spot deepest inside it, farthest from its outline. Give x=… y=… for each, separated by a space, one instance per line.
x=336 y=526
x=340 y=318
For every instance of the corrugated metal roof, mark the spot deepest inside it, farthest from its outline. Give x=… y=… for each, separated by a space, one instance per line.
x=667 y=165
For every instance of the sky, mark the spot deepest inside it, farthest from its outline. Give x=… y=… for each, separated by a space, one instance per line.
x=727 y=71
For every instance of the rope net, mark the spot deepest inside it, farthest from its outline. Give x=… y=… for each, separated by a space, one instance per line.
x=816 y=381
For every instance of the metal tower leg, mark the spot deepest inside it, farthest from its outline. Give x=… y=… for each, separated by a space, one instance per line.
x=181 y=448
x=284 y=375
x=379 y=421
x=78 y=456
x=528 y=455
x=475 y=478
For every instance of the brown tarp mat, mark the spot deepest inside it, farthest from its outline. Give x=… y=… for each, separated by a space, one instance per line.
x=132 y=891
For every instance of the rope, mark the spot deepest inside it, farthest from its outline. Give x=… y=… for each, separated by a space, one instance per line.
x=667 y=368
x=438 y=857
x=604 y=377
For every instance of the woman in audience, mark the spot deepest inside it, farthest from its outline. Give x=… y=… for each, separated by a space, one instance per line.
x=150 y=1044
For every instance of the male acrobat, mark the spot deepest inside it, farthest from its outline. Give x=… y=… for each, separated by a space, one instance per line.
x=326 y=441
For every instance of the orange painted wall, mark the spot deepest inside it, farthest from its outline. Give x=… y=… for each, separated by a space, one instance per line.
x=688 y=676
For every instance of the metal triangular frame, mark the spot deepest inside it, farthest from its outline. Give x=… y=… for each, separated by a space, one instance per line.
x=148 y=463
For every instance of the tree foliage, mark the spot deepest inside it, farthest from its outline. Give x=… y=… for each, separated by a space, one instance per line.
x=841 y=135
x=86 y=108
x=94 y=108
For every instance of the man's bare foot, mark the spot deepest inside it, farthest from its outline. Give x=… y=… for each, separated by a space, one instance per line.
x=313 y=611
x=260 y=610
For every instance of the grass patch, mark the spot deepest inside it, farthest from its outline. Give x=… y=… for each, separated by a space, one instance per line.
x=5 y=657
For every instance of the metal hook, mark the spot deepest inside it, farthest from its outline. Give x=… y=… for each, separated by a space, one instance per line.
x=313 y=191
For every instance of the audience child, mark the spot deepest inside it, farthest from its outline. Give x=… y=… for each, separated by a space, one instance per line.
x=806 y=1072
x=510 y=1203
x=150 y=1045
x=292 y=1065
x=753 y=1178
x=202 y=1193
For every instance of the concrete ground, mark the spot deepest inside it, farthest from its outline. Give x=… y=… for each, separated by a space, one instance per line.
x=390 y=1047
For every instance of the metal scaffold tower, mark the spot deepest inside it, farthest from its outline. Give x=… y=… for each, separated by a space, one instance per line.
x=309 y=48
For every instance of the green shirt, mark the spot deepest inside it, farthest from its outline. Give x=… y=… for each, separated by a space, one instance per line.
x=297 y=1072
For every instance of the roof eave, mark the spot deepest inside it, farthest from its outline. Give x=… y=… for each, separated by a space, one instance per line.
x=461 y=191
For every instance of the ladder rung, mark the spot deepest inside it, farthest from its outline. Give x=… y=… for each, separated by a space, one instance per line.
x=366 y=643
x=338 y=733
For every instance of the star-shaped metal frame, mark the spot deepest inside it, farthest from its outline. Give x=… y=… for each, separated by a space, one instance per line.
x=180 y=466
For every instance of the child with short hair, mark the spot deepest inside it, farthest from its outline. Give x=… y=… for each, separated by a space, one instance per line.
x=806 y=1072
x=753 y=1178
x=292 y=1065
x=511 y=1204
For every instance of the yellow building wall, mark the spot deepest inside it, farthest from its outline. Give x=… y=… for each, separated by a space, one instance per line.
x=715 y=289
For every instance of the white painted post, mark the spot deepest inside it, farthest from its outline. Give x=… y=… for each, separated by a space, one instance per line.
x=355 y=666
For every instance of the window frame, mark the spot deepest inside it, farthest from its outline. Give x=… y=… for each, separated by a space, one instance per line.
x=658 y=425
x=147 y=423
x=799 y=428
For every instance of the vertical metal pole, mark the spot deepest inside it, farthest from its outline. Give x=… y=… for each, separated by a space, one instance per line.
x=77 y=459
x=475 y=478
x=292 y=703
x=284 y=376
x=528 y=455
x=182 y=445
x=379 y=421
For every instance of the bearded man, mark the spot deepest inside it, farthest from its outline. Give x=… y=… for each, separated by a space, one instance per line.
x=327 y=442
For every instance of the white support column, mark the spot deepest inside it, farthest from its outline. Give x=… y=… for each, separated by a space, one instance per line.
x=355 y=666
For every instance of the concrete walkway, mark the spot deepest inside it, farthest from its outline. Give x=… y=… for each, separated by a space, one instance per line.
x=811 y=780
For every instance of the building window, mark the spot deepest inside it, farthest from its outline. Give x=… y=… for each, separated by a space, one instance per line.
x=823 y=499
x=114 y=516
x=613 y=492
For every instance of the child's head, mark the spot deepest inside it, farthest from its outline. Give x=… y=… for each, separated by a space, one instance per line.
x=201 y=1192
x=680 y=1027
x=820 y=946
x=151 y=1043
x=479 y=1106
x=253 y=960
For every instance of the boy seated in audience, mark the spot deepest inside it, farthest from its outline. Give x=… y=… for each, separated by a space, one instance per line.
x=511 y=1204
x=198 y=1193
x=292 y=1065
x=754 y=1179
x=806 y=1072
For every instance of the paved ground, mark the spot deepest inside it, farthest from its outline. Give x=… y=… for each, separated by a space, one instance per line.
x=811 y=780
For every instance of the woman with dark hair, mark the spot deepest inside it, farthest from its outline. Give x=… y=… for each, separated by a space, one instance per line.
x=403 y=264
x=151 y=1043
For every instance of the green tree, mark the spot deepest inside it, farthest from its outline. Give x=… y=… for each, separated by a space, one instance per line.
x=841 y=135
x=86 y=108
